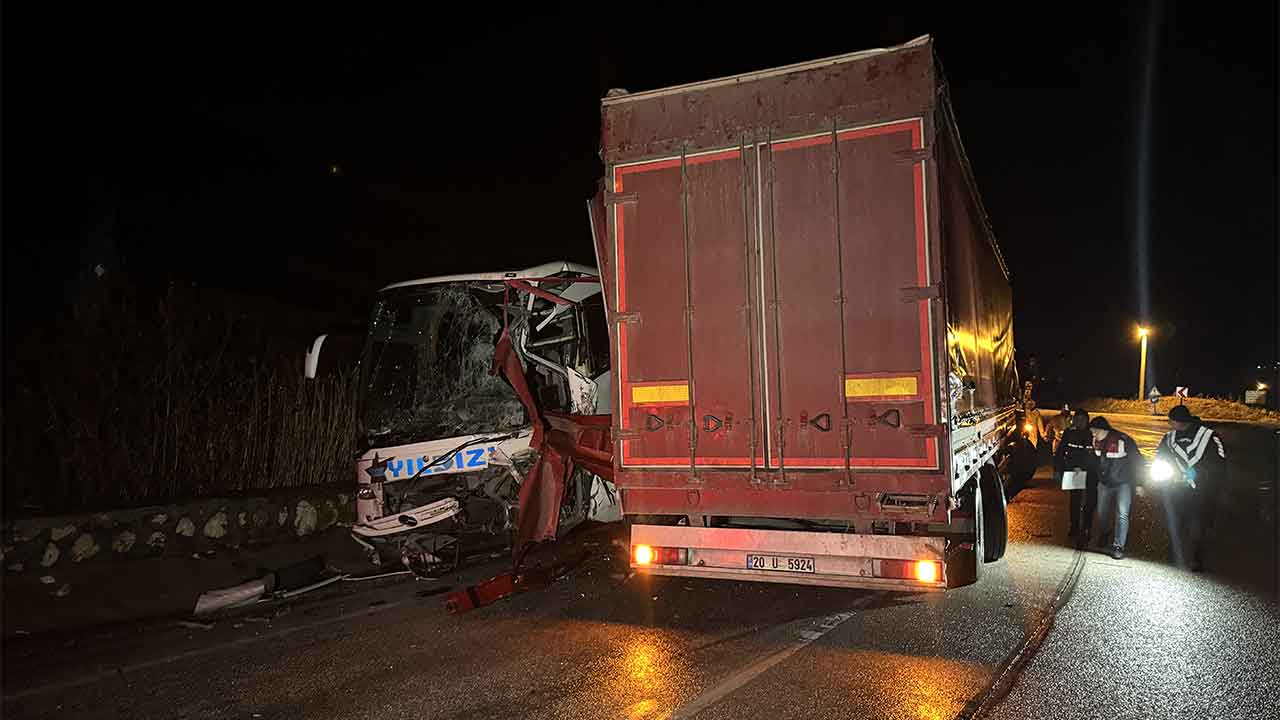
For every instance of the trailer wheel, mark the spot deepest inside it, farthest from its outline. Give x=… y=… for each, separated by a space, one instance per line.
x=994 y=522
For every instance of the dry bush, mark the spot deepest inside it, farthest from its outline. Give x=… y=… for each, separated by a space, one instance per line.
x=136 y=397
x=1208 y=408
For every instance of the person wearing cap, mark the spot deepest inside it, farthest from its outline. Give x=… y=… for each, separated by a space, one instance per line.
x=1075 y=452
x=1119 y=464
x=1192 y=499
x=1058 y=425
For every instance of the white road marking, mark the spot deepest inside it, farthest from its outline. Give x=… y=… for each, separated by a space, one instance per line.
x=741 y=677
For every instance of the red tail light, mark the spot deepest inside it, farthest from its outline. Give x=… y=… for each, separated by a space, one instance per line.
x=925 y=571
x=647 y=555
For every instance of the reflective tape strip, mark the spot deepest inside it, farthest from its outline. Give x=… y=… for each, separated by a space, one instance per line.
x=1201 y=441
x=903 y=386
x=671 y=394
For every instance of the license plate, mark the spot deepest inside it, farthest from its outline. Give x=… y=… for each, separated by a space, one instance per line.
x=780 y=563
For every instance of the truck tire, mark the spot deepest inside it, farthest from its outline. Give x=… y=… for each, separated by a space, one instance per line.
x=995 y=519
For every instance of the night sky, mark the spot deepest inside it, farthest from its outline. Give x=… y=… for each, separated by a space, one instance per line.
x=314 y=157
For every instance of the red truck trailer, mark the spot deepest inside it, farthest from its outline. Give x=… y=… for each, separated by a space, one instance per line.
x=811 y=327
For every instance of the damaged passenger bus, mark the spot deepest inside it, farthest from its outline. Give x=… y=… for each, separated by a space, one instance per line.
x=444 y=438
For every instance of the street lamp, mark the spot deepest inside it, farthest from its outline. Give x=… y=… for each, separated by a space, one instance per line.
x=1142 y=366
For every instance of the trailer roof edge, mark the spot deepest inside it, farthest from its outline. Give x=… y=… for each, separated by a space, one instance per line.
x=760 y=74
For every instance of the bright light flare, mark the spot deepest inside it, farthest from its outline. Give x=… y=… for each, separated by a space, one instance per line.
x=926 y=571
x=644 y=555
x=1143 y=332
x=1161 y=471
x=1028 y=427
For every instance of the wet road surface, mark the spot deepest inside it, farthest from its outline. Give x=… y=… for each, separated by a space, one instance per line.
x=1135 y=638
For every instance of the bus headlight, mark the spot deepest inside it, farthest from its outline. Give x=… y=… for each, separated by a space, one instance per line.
x=1161 y=471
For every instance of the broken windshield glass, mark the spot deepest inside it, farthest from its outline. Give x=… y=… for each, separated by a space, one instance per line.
x=427 y=362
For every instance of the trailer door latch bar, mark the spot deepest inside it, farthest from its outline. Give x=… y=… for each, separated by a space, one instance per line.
x=916 y=294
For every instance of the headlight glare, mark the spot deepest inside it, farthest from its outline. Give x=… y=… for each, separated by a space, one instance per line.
x=1161 y=471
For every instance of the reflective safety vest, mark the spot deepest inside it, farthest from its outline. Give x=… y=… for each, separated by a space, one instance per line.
x=1194 y=452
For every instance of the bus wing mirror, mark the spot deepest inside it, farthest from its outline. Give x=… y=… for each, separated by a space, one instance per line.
x=312 y=361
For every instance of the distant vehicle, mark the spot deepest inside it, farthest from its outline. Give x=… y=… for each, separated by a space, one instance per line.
x=812 y=328
x=444 y=444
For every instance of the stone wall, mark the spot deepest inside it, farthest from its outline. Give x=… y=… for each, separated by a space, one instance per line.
x=36 y=544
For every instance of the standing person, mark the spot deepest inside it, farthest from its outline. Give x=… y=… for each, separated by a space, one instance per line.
x=1191 y=501
x=1075 y=452
x=1118 y=466
x=1058 y=425
x=1034 y=425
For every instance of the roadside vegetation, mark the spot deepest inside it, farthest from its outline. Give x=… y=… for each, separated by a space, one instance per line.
x=1208 y=408
x=136 y=396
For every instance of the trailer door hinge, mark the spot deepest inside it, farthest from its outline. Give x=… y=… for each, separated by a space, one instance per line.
x=916 y=294
x=612 y=198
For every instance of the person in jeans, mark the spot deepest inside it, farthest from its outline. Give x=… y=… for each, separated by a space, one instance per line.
x=1075 y=452
x=1119 y=464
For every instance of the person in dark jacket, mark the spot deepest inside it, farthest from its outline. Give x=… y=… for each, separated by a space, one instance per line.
x=1058 y=425
x=1119 y=467
x=1075 y=452
x=1199 y=463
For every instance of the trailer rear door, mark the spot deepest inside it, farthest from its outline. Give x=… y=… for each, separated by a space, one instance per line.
x=850 y=352
x=686 y=386
x=769 y=296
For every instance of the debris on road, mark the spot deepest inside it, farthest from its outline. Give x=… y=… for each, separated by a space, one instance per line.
x=63 y=591
x=377 y=576
x=313 y=586
x=48 y=580
x=510 y=583
x=284 y=583
x=194 y=625
x=234 y=596
x=481 y=594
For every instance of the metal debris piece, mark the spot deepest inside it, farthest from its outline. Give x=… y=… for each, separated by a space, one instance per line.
x=313 y=586
x=510 y=583
x=235 y=596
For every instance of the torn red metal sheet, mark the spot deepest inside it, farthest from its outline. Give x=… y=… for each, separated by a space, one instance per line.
x=506 y=362
x=584 y=439
x=534 y=290
x=481 y=594
x=540 y=496
x=510 y=583
x=587 y=440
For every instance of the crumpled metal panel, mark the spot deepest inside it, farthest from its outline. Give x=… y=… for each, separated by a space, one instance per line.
x=561 y=441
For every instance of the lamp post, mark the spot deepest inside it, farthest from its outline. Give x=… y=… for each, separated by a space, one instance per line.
x=1142 y=366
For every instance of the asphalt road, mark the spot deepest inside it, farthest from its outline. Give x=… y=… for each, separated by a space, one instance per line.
x=1067 y=634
